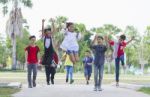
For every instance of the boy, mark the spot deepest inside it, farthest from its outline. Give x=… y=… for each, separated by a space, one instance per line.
x=31 y=58
x=99 y=59
x=119 y=47
x=87 y=61
x=69 y=68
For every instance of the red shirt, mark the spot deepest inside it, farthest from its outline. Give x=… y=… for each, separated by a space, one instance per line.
x=121 y=47
x=32 y=54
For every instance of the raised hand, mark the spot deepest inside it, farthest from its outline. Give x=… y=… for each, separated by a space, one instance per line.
x=52 y=20
x=106 y=38
x=43 y=20
x=133 y=37
x=96 y=36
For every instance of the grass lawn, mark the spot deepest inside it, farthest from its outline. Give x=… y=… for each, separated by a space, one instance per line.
x=78 y=77
x=7 y=92
x=145 y=90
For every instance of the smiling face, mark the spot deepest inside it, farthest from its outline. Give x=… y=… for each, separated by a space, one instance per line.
x=99 y=40
x=32 y=40
x=87 y=53
x=48 y=33
x=70 y=27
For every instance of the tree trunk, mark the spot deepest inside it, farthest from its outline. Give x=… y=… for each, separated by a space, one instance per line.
x=14 y=61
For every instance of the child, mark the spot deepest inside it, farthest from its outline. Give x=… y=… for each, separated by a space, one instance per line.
x=49 y=52
x=31 y=58
x=70 y=43
x=87 y=61
x=119 y=47
x=69 y=68
x=99 y=59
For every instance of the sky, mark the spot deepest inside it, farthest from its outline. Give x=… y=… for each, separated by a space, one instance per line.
x=93 y=13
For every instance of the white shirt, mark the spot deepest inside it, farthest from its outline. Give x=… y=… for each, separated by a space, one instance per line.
x=47 y=42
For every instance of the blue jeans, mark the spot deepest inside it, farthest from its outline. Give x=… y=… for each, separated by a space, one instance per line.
x=32 y=68
x=88 y=72
x=98 y=75
x=69 y=71
x=117 y=66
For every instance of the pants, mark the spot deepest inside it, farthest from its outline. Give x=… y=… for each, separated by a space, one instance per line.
x=50 y=73
x=98 y=75
x=32 y=68
x=88 y=72
x=117 y=66
x=69 y=71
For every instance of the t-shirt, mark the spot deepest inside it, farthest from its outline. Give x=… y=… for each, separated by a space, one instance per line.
x=70 y=41
x=119 y=49
x=87 y=61
x=47 y=41
x=32 y=54
x=99 y=54
x=68 y=62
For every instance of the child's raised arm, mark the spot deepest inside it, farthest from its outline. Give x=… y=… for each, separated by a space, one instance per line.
x=94 y=41
x=43 y=20
x=53 y=28
x=130 y=40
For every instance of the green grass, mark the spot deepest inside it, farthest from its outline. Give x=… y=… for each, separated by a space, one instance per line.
x=7 y=92
x=78 y=77
x=145 y=90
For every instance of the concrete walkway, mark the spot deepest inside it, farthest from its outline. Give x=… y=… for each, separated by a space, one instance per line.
x=66 y=90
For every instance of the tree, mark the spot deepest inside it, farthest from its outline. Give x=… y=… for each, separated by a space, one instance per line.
x=133 y=50
x=15 y=22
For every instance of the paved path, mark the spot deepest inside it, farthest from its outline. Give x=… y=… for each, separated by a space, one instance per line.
x=66 y=90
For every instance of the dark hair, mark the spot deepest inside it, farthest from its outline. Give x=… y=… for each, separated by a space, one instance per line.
x=68 y=24
x=88 y=51
x=31 y=37
x=47 y=29
x=100 y=37
x=123 y=37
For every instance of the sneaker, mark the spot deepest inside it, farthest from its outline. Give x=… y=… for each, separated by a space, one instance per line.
x=95 y=88
x=117 y=84
x=87 y=82
x=52 y=81
x=66 y=80
x=29 y=86
x=34 y=84
x=48 y=83
x=71 y=81
x=100 y=89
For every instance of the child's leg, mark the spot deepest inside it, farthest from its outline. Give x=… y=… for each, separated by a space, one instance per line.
x=89 y=74
x=71 y=72
x=52 y=71
x=67 y=73
x=122 y=61
x=101 y=69
x=96 y=76
x=29 y=67
x=71 y=56
x=76 y=55
x=117 y=60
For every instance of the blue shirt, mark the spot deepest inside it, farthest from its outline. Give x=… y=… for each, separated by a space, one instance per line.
x=87 y=61
x=99 y=54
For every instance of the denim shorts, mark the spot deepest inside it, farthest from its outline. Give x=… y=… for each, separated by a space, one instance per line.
x=87 y=71
x=72 y=52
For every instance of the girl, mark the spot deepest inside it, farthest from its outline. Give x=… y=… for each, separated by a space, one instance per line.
x=70 y=43
x=49 y=52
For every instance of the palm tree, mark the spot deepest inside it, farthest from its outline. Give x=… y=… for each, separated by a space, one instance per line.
x=15 y=22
